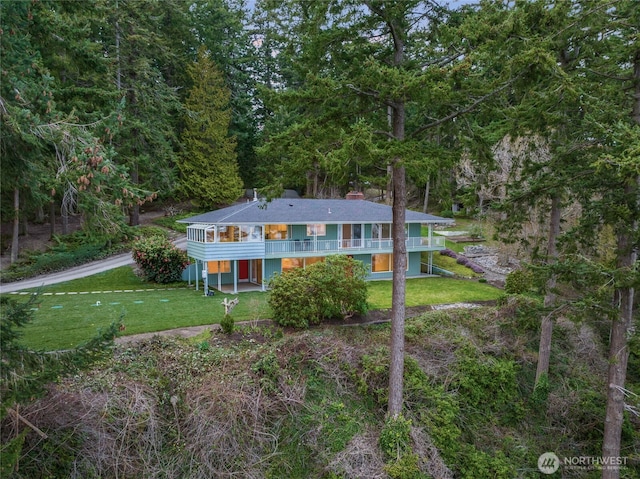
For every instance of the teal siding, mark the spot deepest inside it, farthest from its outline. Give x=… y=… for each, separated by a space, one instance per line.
x=415 y=229
x=366 y=260
x=189 y=273
x=298 y=232
x=225 y=278
x=414 y=264
x=271 y=267
x=332 y=232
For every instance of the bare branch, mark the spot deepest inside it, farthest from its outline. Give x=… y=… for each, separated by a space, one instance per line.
x=371 y=93
x=27 y=423
x=467 y=109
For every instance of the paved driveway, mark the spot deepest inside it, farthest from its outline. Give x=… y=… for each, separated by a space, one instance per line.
x=78 y=271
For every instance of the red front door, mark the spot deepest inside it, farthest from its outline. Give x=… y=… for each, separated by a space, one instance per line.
x=243 y=270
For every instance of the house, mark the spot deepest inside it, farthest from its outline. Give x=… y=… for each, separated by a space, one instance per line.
x=250 y=242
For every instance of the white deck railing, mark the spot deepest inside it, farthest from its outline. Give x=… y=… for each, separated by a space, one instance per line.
x=277 y=247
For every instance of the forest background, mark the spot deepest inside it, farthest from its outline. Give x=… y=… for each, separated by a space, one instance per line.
x=527 y=112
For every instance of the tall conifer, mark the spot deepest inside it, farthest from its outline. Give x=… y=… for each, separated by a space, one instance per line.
x=208 y=166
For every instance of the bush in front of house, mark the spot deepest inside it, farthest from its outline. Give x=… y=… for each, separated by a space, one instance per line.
x=227 y=324
x=159 y=259
x=331 y=289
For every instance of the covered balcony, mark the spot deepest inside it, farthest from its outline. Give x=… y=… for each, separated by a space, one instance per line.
x=275 y=248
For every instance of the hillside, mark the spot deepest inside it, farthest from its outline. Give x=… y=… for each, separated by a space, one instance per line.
x=269 y=403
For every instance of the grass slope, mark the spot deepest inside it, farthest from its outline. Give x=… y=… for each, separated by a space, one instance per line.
x=311 y=404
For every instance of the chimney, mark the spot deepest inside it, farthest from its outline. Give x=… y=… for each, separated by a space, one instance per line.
x=355 y=195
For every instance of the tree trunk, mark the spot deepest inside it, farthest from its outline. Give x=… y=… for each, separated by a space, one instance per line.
x=396 y=367
x=134 y=211
x=52 y=218
x=389 y=191
x=39 y=214
x=399 y=189
x=426 y=195
x=64 y=212
x=622 y=329
x=546 y=331
x=16 y=225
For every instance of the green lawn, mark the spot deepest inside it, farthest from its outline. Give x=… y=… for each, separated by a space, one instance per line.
x=65 y=320
x=427 y=291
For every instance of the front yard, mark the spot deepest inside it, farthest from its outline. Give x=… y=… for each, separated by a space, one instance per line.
x=68 y=314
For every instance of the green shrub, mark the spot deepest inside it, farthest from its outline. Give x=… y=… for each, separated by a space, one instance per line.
x=341 y=286
x=475 y=464
x=290 y=301
x=159 y=259
x=540 y=395
x=267 y=368
x=334 y=288
x=58 y=257
x=406 y=467
x=518 y=282
x=227 y=324
x=395 y=437
x=172 y=221
x=476 y=231
x=487 y=384
x=372 y=378
x=146 y=231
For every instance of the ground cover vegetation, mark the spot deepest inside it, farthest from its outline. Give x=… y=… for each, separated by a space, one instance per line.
x=312 y=404
x=526 y=112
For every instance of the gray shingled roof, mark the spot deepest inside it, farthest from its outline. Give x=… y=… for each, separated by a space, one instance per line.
x=304 y=211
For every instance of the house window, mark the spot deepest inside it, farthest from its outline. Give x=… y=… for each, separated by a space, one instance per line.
x=314 y=259
x=250 y=233
x=211 y=234
x=381 y=231
x=275 y=232
x=316 y=230
x=291 y=263
x=255 y=233
x=381 y=263
x=219 y=267
x=242 y=233
x=227 y=233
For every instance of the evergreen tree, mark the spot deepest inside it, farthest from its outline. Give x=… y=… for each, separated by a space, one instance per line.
x=383 y=82
x=25 y=373
x=587 y=108
x=53 y=149
x=208 y=166
x=26 y=101
x=146 y=138
x=222 y=27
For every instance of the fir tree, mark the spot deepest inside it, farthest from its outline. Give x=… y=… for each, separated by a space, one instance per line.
x=25 y=373
x=208 y=167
